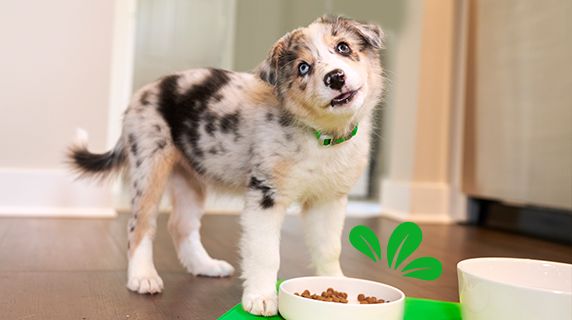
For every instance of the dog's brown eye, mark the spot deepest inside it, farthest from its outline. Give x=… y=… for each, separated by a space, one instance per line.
x=343 y=49
x=303 y=69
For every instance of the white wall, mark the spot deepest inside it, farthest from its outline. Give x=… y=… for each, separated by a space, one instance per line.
x=55 y=63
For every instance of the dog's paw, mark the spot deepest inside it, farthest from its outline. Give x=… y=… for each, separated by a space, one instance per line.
x=260 y=304
x=145 y=284
x=211 y=268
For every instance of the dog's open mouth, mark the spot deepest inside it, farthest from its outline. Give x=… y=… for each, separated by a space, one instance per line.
x=343 y=98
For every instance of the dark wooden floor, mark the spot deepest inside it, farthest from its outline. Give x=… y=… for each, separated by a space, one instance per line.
x=75 y=269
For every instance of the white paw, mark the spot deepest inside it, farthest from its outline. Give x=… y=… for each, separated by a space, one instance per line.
x=145 y=284
x=260 y=304
x=211 y=268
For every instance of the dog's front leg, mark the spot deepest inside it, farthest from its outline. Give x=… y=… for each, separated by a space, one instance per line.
x=323 y=224
x=260 y=246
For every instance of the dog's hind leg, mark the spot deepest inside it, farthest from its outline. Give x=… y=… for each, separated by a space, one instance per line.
x=188 y=198
x=150 y=163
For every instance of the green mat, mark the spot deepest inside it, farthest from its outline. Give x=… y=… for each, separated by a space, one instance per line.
x=415 y=309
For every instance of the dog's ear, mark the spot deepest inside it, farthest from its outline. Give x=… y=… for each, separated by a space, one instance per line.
x=371 y=34
x=268 y=69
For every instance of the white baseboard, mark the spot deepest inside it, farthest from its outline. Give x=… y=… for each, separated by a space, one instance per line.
x=417 y=201
x=51 y=193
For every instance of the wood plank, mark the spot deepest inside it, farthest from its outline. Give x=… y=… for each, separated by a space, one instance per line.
x=60 y=245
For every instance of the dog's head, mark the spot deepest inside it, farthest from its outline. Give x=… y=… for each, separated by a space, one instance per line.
x=328 y=74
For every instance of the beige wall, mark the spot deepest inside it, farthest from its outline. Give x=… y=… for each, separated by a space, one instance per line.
x=55 y=63
x=259 y=23
x=420 y=181
x=519 y=117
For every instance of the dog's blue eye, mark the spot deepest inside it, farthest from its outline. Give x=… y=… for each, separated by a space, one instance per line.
x=303 y=68
x=343 y=49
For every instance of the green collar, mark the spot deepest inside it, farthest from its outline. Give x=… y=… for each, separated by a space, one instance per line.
x=328 y=140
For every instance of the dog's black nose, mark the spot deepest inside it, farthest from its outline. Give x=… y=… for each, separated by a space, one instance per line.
x=335 y=79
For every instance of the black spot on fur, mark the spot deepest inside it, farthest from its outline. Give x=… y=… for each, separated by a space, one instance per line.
x=272 y=78
x=302 y=86
x=286 y=119
x=269 y=116
x=161 y=144
x=213 y=151
x=210 y=120
x=183 y=112
x=132 y=144
x=198 y=152
x=264 y=75
x=229 y=123
x=145 y=98
x=286 y=67
x=132 y=228
x=217 y=97
x=157 y=128
x=138 y=163
x=267 y=200
x=287 y=58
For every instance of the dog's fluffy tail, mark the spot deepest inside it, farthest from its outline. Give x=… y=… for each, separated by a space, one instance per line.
x=98 y=165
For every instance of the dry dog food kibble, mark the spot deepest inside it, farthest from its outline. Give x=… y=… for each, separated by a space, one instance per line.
x=331 y=295
x=368 y=300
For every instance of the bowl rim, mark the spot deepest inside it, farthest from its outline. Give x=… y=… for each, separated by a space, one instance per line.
x=378 y=305
x=463 y=263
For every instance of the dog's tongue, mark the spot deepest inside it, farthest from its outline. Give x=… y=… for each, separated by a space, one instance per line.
x=342 y=98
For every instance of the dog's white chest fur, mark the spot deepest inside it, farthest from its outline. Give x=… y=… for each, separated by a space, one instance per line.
x=329 y=171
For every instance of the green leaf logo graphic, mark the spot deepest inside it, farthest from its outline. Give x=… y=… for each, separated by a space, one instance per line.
x=424 y=268
x=404 y=240
x=365 y=241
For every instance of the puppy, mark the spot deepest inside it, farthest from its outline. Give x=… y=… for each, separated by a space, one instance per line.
x=295 y=130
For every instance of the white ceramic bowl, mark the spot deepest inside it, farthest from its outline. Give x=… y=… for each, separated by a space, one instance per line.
x=293 y=307
x=519 y=289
